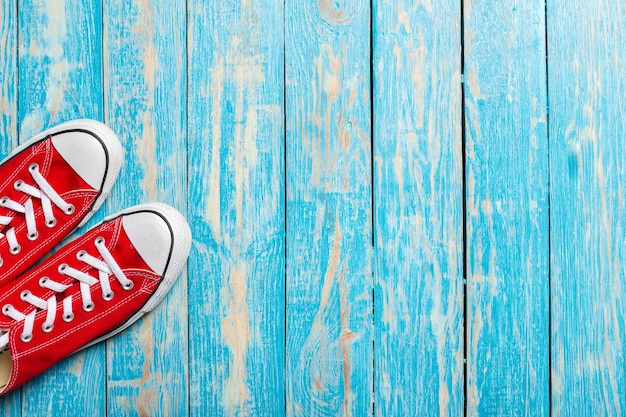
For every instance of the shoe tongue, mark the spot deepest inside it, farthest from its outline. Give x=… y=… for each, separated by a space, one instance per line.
x=4 y=228
x=5 y=212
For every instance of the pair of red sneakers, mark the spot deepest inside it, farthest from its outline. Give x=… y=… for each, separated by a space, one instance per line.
x=96 y=285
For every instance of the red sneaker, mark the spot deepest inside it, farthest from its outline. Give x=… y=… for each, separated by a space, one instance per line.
x=91 y=289
x=49 y=186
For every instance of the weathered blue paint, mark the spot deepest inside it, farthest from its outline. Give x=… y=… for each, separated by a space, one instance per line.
x=418 y=207
x=60 y=63
x=145 y=99
x=10 y=405
x=60 y=78
x=587 y=52
x=8 y=76
x=506 y=150
x=236 y=194
x=372 y=300
x=329 y=219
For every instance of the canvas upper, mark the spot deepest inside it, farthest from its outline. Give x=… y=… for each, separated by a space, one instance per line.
x=49 y=186
x=91 y=289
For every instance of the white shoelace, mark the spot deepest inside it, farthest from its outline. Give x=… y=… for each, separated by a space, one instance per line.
x=46 y=193
x=106 y=267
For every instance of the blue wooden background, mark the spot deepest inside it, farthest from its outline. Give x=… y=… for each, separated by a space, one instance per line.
x=399 y=207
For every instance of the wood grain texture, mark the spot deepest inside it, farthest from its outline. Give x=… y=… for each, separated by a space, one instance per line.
x=254 y=118
x=418 y=207
x=329 y=220
x=8 y=76
x=507 y=208
x=236 y=194
x=60 y=78
x=10 y=405
x=60 y=63
x=587 y=51
x=145 y=103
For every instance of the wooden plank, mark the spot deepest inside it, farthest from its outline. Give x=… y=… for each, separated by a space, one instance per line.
x=9 y=404
x=60 y=63
x=236 y=195
x=8 y=76
x=507 y=208
x=60 y=78
x=145 y=98
x=587 y=77
x=329 y=221
x=418 y=208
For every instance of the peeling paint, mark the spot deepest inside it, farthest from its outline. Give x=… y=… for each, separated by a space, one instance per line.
x=235 y=333
x=147 y=397
x=213 y=204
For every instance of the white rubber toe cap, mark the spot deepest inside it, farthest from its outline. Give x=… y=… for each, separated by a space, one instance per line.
x=162 y=237
x=151 y=237
x=85 y=154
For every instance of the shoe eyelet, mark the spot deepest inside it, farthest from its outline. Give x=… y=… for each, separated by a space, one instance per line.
x=68 y=317
x=128 y=286
x=47 y=328
x=70 y=210
x=42 y=282
x=81 y=254
x=62 y=268
x=24 y=295
x=15 y=250
x=3 y=200
x=88 y=307
x=32 y=236
x=1 y=261
x=6 y=308
x=26 y=337
x=18 y=184
x=33 y=167
x=99 y=241
x=107 y=296
x=51 y=222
